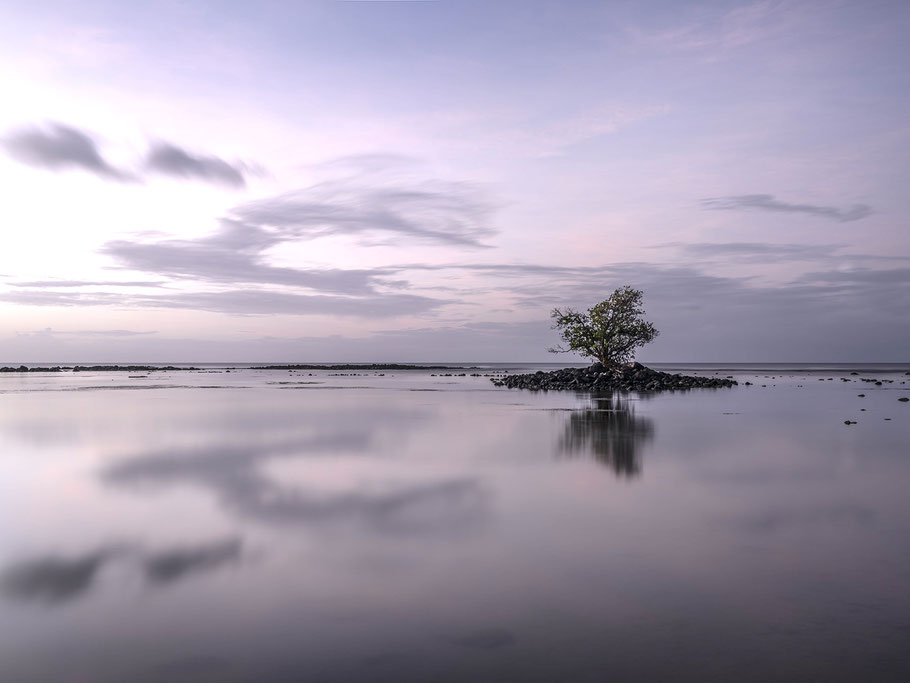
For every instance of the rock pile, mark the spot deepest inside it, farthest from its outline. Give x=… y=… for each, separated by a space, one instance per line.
x=634 y=377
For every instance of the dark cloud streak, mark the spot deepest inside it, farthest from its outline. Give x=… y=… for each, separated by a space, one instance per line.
x=57 y=148
x=83 y=283
x=168 y=159
x=755 y=252
x=767 y=202
x=240 y=302
x=232 y=255
x=434 y=212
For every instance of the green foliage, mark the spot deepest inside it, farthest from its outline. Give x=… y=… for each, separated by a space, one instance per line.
x=609 y=332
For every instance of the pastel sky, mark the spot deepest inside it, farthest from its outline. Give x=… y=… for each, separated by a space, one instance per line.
x=375 y=180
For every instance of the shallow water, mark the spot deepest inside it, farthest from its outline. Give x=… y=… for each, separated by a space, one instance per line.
x=289 y=526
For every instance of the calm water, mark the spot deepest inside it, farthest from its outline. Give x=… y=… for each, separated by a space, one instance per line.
x=277 y=526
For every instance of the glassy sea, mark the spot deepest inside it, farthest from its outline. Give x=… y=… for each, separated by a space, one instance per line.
x=233 y=524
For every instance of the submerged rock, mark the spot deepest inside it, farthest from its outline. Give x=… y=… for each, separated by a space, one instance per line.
x=23 y=368
x=634 y=377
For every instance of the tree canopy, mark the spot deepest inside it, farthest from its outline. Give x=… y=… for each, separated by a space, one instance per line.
x=609 y=332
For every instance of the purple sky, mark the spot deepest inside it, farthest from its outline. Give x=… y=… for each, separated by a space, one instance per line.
x=425 y=181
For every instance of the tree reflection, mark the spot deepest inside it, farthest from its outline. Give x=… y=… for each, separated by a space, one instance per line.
x=610 y=432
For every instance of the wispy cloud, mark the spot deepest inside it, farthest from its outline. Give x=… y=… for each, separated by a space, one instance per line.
x=721 y=33
x=58 y=147
x=553 y=139
x=50 y=332
x=171 y=160
x=767 y=202
x=83 y=283
x=431 y=212
x=364 y=204
x=754 y=252
x=233 y=254
x=899 y=277
x=240 y=302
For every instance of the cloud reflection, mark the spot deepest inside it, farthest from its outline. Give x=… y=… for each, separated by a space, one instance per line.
x=176 y=563
x=52 y=579
x=233 y=475
x=610 y=432
x=55 y=580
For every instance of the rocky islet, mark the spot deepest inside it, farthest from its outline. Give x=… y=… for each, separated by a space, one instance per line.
x=634 y=377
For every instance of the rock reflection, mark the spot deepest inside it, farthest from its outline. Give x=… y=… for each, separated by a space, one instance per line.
x=610 y=432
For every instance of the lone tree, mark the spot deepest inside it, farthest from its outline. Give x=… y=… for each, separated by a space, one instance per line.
x=609 y=332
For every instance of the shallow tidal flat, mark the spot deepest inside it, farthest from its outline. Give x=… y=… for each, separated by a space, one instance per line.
x=418 y=525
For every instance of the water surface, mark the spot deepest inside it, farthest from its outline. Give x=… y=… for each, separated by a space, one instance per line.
x=400 y=526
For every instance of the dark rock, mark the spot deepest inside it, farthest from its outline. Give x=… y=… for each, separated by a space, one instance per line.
x=23 y=368
x=128 y=368
x=634 y=377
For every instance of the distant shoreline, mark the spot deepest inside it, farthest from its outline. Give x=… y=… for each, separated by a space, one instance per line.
x=158 y=368
x=514 y=366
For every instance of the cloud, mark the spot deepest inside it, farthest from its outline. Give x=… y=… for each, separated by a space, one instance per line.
x=767 y=202
x=171 y=160
x=58 y=147
x=170 y=565
x=108 y=333
x=41 y=284
x=899 y=277
x=234 y=254
x=49 y=332
x=241 y=302
x=361 y=205
x=847 y=315
x=717 y=34
x=371 y=202
x=376 y=211
x=754 y=252
x=553 y=139
x=52 y=579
